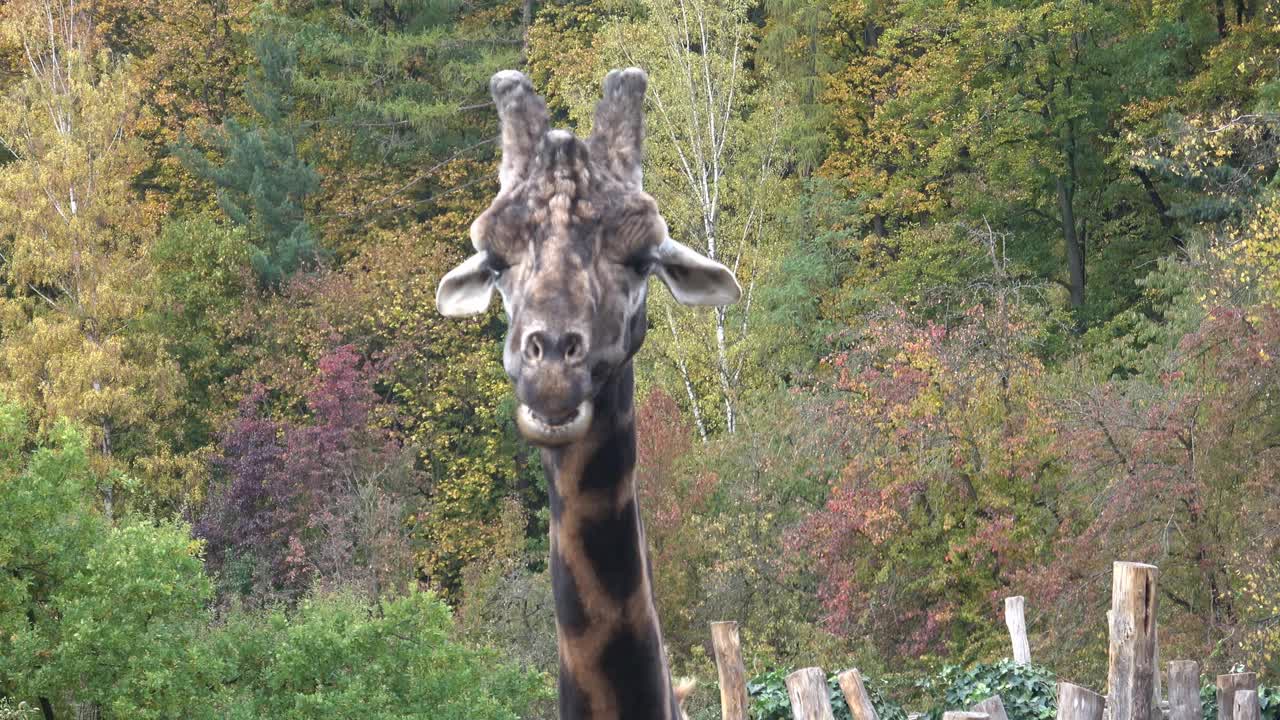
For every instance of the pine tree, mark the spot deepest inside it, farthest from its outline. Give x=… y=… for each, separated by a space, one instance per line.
x=263 y=182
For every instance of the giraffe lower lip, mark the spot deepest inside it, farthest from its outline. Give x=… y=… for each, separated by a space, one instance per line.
x=542 y=432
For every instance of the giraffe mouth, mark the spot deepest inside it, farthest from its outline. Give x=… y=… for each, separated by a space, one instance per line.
x=541 y=431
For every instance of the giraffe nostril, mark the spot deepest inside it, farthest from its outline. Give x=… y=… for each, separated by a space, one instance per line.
x=575 y=348
x=533 y=343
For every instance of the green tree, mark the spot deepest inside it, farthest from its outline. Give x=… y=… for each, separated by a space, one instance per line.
x=392 y=95
x=203 y=277
x=96 y=617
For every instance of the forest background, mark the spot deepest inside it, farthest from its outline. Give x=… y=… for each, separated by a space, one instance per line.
x=1011 y=271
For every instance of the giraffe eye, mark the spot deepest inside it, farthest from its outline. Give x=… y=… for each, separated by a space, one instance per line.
x=497 y=266
x=639 y=264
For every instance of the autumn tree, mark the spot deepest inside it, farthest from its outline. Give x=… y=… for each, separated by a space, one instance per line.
x=716 y=517
x=388 y=109
x=1009 y=114
x=75 y=243
x=945 y=479
x=315 y=504
x=1160 y=465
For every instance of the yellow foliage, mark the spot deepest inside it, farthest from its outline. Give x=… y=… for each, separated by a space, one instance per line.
x=75 y=252
x=1251 y=251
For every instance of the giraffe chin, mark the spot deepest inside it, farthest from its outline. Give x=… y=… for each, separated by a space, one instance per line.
x=540 y=432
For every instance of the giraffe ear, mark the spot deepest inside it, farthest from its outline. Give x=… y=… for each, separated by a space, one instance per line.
x=466 y=289
x=692 y=278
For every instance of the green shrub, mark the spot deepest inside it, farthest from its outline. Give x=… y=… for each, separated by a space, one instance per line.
x=336 y=656
x=769 y=699
x=9 y=710
x=1029 y=692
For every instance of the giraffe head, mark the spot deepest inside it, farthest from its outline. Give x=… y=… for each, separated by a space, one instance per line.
x=569 y=243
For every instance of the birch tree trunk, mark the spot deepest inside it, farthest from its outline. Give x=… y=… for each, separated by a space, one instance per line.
x=714 y=149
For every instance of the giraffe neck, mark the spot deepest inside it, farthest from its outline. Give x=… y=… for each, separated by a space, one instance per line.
x=612 y=664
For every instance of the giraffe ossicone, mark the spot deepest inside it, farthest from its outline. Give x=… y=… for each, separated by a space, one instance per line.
x=569 y=244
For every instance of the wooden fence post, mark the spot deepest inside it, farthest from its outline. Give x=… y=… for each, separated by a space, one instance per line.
x=1077 y=703
x=1131 y=679
x=1156 y=696
x=1015 y=618
x=993 y=707
x=733 y=674
x=1228 y=685
x=1184 y=690
x=855 y=693
x=807 y=688
x=1247 y=707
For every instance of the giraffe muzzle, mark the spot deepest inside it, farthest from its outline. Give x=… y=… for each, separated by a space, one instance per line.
x=561 y=431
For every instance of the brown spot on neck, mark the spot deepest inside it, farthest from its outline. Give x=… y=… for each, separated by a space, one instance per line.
x=606 y=622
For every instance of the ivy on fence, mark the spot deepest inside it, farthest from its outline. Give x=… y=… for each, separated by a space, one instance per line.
x=1029 y=692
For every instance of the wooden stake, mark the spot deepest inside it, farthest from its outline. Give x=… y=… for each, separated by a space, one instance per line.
x=1015 y=618
x=1156 y=696
x=1077 y=703
x=855 y=693
x=1184 y=690
x=807 y=688
x=993 y=707
x=733 y=674
x=1132 y=649
x=1246 y=707
x=1228 y=685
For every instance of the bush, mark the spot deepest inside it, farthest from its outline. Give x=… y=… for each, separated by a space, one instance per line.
x=769 y=699
x=338 y=656
x=1029 y=692
x=19 y=711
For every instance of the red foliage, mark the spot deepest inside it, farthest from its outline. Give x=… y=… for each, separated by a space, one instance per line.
x=942 y=441
x=1162 y=469
x=663 y=437
x=288 y=504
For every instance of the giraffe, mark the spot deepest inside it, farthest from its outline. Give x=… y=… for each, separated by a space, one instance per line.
x=569 y=243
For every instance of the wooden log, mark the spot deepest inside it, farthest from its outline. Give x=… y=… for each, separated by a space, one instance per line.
x=1131 y=677
x=1015 y=619
x=993 y=707
x=733 y=673
x=1077 y=703
x=1246 y=707
x=855 y=693
x=1228 y=685
x=1184 y=690
x=807 y=688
